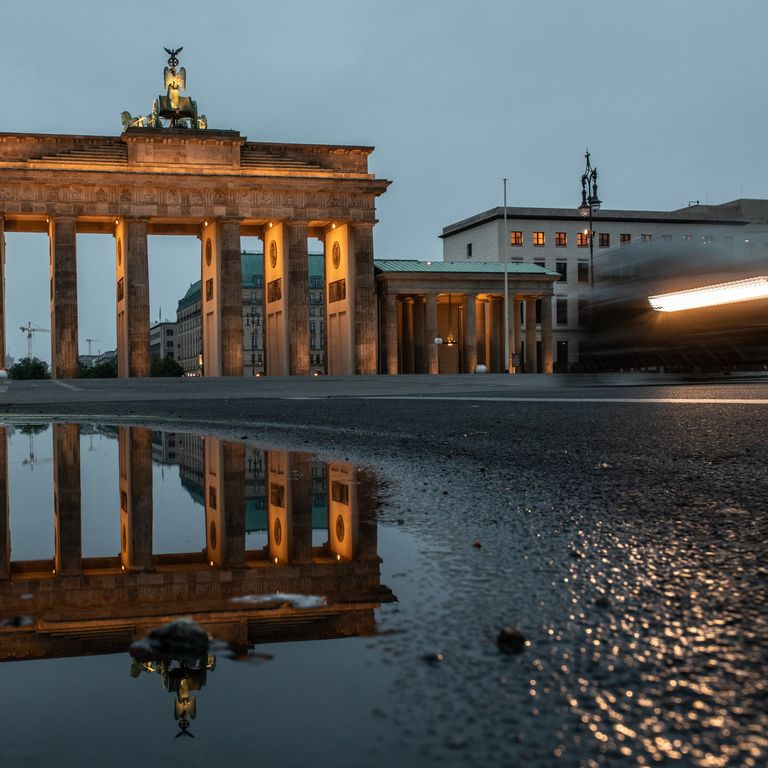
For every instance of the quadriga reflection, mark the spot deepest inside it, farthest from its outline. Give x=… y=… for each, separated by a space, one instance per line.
x=76 y=605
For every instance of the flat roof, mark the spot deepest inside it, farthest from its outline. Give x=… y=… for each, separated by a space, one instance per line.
x=459 y=267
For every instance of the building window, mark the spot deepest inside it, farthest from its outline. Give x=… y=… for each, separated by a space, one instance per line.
x=538 y=239
x=539 y=263
x=561 y=239
x=624 y=237
x=687 y=238
x=582 y=239
x=646 y=237
x=583 y=272
x=561 y=267
x=469 y=250
x=561 y=311
x=516 y=237
x=604 y=239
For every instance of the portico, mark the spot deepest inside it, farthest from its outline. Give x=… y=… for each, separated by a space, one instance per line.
x=441 y=317
x=158 y=178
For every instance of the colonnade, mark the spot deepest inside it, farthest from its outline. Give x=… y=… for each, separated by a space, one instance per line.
x=351 y=338
x=452 y=332
x=289 y=501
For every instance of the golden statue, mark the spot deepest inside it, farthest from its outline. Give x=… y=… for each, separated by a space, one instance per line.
x=172 y=110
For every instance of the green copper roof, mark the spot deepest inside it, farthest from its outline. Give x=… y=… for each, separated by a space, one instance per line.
x=459 y=267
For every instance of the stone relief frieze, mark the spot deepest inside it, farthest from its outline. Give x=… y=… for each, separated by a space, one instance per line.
x=247 y=202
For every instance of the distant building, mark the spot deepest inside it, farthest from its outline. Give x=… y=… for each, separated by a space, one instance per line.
x=162 y=340
x=558 y=239
x=188 y=338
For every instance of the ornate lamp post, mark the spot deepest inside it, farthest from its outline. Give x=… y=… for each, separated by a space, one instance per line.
x=590 y=203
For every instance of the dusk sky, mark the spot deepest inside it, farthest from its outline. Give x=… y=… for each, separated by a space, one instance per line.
x=669 y=95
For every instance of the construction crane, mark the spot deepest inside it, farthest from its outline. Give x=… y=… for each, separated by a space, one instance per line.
x=88 y=341
x=29 y=329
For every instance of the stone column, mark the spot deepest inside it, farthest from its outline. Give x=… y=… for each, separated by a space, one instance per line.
x=511 y=336
x=132 y=258
x=517 y=345
x=135 y=459
x=470 y=331
x=408 y=339
x=391 y=333
x=222 y=299
x=546 y=334
x=233 y=497
x=300 y=465
x=343 y=513
x=419 y=322
x=231 y=272
x=224 y=489
x=297 y=297
x=5 y=533
x=431 y=334
x=530 y=334
x=364 y=298
x=66 y=498
x=2 y=294
x=63 y=263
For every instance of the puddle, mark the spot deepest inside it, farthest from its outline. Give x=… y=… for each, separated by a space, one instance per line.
x=107 y=533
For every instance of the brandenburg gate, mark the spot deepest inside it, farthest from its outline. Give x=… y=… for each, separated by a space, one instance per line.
x=169 y=174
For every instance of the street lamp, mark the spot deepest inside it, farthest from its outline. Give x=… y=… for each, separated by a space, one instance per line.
x=590 y=203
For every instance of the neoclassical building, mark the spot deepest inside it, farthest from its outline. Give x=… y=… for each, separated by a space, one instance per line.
x=443 y=317
x=169 y=174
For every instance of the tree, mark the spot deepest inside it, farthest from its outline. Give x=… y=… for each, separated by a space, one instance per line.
x=165 y=366
x=30 y=368
x=105 y=370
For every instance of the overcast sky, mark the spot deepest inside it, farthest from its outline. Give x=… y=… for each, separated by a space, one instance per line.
x=669 y=95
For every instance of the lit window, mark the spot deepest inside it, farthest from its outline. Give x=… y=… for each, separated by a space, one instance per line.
x=582 y=239
x=516 y=238
x=538 y=238
x=624 y=238
x=583 y=272
x=561 y=239
x=604 y=239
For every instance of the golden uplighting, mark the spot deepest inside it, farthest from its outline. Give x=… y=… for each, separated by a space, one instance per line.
x=712 y=295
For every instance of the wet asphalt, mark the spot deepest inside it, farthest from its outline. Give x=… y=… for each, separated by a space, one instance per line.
x=618 y=523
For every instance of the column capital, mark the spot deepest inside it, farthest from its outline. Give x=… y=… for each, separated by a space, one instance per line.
x=361 y=224
x=61 y=218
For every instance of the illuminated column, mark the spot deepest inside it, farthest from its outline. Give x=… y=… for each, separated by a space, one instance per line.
x=546 y=334
x=275 y=302
x=516 y=346
x=490 y=352
x=66 y=498
x=2 y=293
x=135 y=459
x=530 y=335
x=224 y=502
x=391 y=333
x=408 y=345
x=289 y=506
x=222 y=298
x=343 y=527
x=431 y=334
x=470 y=331
x=132 y=260
x=5 y=533
x=63 y=268
x=510 y=331
x=364 y=299
x=339 y=296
